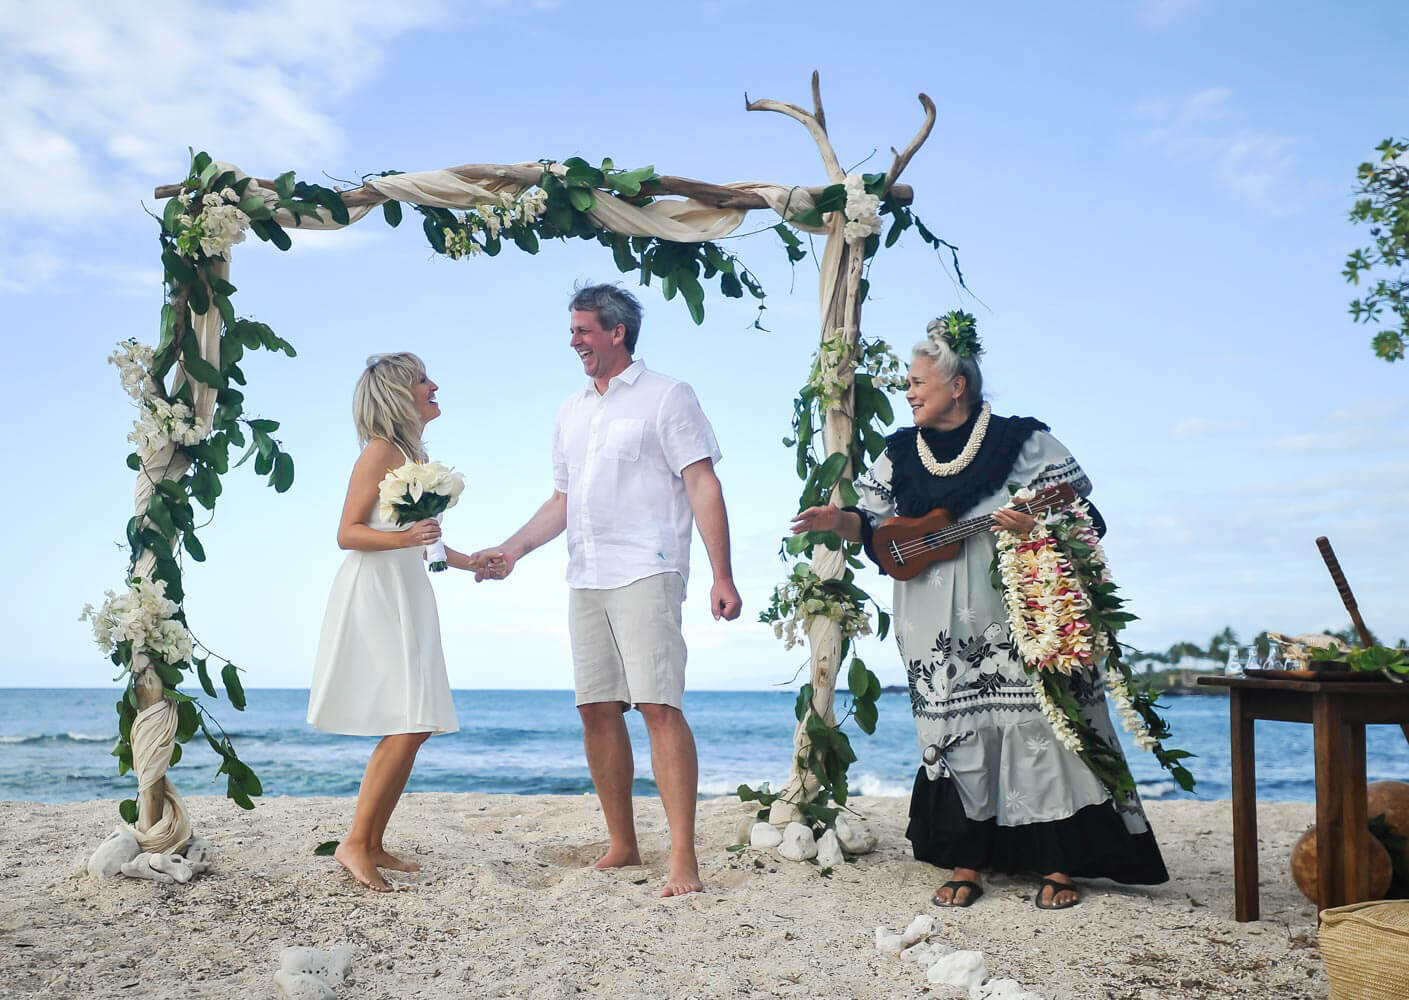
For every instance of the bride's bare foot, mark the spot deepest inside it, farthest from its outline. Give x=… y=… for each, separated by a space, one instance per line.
x=619 y=857
x=385 y=859
x=362 y=866
x=684 y=877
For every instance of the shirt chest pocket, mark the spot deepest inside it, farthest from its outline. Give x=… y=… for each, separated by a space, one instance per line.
x=622 y=440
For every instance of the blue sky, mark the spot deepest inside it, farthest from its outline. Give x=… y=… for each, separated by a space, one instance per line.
x=1150 y=199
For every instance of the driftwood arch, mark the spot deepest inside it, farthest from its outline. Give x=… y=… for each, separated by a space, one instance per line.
x=199 y=321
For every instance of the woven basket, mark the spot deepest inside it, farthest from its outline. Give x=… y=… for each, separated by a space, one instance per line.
x=1366 y=950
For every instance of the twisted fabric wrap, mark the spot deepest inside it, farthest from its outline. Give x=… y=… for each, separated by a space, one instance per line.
x=153 y=734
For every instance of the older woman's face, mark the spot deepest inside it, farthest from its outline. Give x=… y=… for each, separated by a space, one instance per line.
x=935 y=401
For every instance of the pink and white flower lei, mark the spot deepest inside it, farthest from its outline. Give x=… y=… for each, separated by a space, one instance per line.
x=1049 y=612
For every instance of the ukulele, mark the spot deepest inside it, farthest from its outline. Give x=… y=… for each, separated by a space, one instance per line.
x=907 y=546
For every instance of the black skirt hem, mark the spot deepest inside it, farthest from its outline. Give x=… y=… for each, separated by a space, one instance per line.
x=1091 y=843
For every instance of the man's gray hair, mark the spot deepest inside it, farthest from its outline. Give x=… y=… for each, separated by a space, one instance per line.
x=614 y=306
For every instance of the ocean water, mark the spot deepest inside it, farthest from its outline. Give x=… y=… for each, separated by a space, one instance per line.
x=55 y=743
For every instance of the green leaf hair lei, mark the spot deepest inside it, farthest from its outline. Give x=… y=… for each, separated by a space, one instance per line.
x=960 y=331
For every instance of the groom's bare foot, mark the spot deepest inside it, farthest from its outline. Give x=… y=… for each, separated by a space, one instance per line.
x=385 y=859
x=684 y=877
x=619 y=857
x=362 y=867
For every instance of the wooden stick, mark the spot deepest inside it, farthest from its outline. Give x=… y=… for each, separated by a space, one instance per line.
x=714 y=195
x=1347 y=598
x=817 y=111
x=814 y=126
x=901 y=159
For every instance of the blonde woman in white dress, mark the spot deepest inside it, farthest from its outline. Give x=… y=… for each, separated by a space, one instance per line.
x=380 y=670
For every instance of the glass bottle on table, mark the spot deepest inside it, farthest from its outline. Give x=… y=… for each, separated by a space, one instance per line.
x=1253 y=662
x=1274 y=656
x=1233 y=668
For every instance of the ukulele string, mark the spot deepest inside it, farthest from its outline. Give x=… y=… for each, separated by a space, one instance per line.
x=961 y=530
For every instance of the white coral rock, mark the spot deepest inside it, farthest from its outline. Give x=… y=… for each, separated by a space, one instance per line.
x=141 y=867
x=299 y=986
x=853 y=836
x=1001 y=989
x=765 y=835
x=798 y=843
x=175 y=865
x=888 y=941
x=921 y=927
x=829 y=853
x=117 y=848
x=961 y=968
x=332 y=966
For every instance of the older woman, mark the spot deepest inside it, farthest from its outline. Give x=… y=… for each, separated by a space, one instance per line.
x=996 y=791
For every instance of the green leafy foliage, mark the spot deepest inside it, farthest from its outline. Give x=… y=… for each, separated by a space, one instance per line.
x=1383 y=205
x=828 y=753
x=683 y=269
x=167 y=528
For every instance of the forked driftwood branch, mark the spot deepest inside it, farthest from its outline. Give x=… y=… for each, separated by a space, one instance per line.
x=840 y=279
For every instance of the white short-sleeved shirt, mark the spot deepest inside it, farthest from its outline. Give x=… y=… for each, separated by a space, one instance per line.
x=618 y=457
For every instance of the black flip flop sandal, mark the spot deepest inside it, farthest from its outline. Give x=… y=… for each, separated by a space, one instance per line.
x=1056 y=888
x=975 y=892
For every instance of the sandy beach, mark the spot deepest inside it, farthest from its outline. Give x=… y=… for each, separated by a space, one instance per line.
x=507 y=906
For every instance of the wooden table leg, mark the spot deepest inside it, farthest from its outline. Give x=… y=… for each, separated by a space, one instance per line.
x=1331 y=772
x=1245 y=902
x=1355 y=853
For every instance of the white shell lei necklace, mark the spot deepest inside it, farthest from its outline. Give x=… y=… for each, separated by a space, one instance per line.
x=961 y=461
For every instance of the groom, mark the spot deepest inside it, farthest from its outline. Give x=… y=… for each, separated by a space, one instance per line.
x=633 y=465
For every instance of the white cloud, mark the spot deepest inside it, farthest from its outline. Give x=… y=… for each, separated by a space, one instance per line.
x=102 y=99
x=1206 y=130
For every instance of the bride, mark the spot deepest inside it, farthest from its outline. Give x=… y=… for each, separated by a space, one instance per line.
x=380 y=670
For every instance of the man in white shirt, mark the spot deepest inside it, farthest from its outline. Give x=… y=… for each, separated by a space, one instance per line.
x=633 y=467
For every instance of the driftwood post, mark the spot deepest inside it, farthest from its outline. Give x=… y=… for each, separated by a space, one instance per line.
x=839 y=282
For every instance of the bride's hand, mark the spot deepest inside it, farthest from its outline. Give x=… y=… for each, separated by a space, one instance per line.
x=422 y=532
x=824 y=518
x=491 y=564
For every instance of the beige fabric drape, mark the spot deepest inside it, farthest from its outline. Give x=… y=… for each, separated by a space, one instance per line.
x=680 y=220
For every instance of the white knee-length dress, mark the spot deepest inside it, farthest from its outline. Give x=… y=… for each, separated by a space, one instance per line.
x=380 y=668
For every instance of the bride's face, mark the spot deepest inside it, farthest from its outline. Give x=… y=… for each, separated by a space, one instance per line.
x=935 y=401
x=424 y=392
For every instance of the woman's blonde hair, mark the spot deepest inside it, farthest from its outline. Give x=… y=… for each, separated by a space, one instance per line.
x=384 y=403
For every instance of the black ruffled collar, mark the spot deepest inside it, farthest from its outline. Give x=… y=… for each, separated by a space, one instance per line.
x=917 y=491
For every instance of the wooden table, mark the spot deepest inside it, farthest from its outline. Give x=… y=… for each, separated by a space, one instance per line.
x=1338 y=712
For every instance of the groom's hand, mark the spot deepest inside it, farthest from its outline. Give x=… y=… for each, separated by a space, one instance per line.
x=491 y=564
x=724 y=600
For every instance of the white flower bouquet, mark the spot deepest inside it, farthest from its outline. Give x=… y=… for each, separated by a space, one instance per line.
x=419 y=490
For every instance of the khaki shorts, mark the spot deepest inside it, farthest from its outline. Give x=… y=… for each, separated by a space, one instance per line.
x=626 y=642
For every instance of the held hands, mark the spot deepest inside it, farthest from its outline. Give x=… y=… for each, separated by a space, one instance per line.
x=492 y=564
x=724 y=600
x=1008 y=519
x=422 y=533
